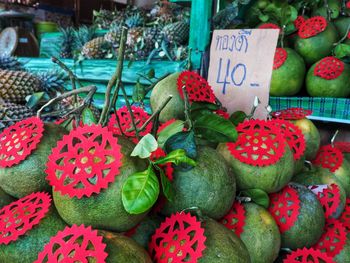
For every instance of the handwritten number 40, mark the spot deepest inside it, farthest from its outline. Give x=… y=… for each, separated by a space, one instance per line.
x=235 y=76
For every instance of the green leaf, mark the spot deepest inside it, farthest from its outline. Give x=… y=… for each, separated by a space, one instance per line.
x=169 y=131
x=288 y=14
x=145 y=147
x=140 y=191
x=238 y=117
x=139 y=92
x=151 y=73
x=258 y=196
x=342 y=50
x=167 y=187
x=177 y=157
x=215 y=128
x=203 y=105
x=264 y=18
x=34 y=99
x=88 y=117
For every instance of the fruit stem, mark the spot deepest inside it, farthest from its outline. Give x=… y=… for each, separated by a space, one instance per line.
x=344 y=37
x=329 y=11
x=187 y=109
x=334 y=137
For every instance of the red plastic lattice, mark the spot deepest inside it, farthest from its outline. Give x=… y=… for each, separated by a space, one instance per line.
x=259 y=143
x=345 y=217
x=343 y=146
x=84 y=162
x=17 y=218
x=198 y=88
x=281 y=56
x=329 y=68
x=333 y=239
x=330 y=199
x=308 y=255
x=168 y=168
x=312 y=27
x=223 y=114
x=235 y=219
x=269 y=26
x=299 y=21
x=294 y=136
x=329 y=157
x=74 y=244
x=125 y=121
x=348 y=4
x=180 y=237
x=19 y=140
x=285 y=207
x=291 y=114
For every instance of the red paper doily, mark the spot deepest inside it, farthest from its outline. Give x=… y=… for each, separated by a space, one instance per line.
x=345 y=217
x=74 y=244
x=20 y=216
x=269 y=26
x=84 y=161
x=329 y=199
x=235 y=219
x=348 y=4
x=299 y=21
x=180 y=237
x=294 y=137
x=343 y=146
x=291 y=114
x=285 y=207
x=168 y=168
x=312 y=27
x=125 y=121
x=223 y=114
x=333 y=239
x=329 y=68
x=19 y=140
x=329 y=157
x=259 y=143
x=198 y=89
x=281 y=56
x=308 y=255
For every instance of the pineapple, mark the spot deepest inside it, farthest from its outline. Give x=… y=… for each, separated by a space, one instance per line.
x=13 y=112
x=97 y=48
x=135 y=21
x=83 y=35
x=9 y=62
x=113 y=35
x=67 y=39
x=177 y=32
x=103 y=18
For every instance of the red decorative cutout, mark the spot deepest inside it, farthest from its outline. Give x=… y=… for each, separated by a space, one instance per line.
x=291 y=114
x=329 y=157
x=180 y=237
x=329 y=68
x=259 y=143
x=312 y=27
x=235 y=219
x=74 y=244
x=348 y=4
x=198 y=88
x=17 y=218
x=125 y=121
x=223 y=114
x=333 y=239
x=308 y=255
x=84 y=162
x=168 y=168
x=294 y=136
x=299 y=21
x=19 y=140
x=281 y=56
x=285 y=207
x=345 y=217
x=343 y=146
x=269 y=26
x=330 y=199
x=349 y=35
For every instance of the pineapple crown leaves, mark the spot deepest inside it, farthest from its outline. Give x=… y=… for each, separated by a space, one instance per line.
x=8 y=62
x=52 y=81
x=83 y=35
x=135 y=20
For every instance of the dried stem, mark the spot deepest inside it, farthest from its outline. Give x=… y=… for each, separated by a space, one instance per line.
x=149 y=88
x=187 y=109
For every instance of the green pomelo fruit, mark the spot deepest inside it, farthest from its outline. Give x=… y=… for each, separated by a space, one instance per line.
x=317 y=177
x=29 y=175
x=175 y=108
x=317 y=47
x=222 y=245
x=123 y=249
x=342 y=24
x=270 y=178
x=334 y=6
x=299 y=165
x=260 y=234
x=209 y=186
x=309 y=225
x=5 y=199
x=104 y=210
x=344 y=255
x=334 y=88
x=288 y=79
x=311 y=135
x=27 y=247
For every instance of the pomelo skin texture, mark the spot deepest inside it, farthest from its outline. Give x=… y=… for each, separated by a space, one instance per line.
x=166 y=87
x=268 y=178
x=342 y=24
x=299 y=165
x=334 y=88
x=123 y=249
x=344 y=255
x=104 y=210
x=29 y=175
x=210 y=186
x=27 y=247
x=260 y=234
x=222 y=245
x=311 y=135
x=308 y=228
x=317 y=47
x=317 y=177
x=288 y=79
x=5 y=199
